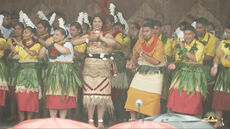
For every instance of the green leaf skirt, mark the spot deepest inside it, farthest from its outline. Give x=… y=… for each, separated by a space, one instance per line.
x=3 y=70
x=223 y=79
x=190 y=78
x=63 y=76
x=13 y=66
x=28 y=75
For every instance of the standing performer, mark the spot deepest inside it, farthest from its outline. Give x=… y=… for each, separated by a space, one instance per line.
x=13 y=64
x=97 y=70
x=60 y=77
x=222 y=87
x=3 y=75
x=189 y=84
x=147 y=83
x=27 y=80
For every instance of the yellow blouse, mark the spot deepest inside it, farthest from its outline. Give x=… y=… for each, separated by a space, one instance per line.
x=10 y=45
x=167 y=47
x=25 y=56
x=80 y=48
x=226 y=51
x=125 y=43
x=157 y=52
x=199 y=54
x=210 y=47
x=3 y=43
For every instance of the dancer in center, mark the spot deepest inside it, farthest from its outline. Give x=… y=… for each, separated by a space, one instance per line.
x=97 y=70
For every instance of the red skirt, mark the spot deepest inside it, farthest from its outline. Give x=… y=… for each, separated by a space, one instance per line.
x=221 y=100
x=28 y=101
x=186 y=104
x=56 y=102
x=2 y=97
x=12 y=94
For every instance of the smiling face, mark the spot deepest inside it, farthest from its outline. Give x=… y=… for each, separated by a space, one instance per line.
x=18 y=31
x=227 y=30
x=74 y=31
x=58 y=36
x=97 y=24
x=201 y=29
x=189 y=36
x=41 y=30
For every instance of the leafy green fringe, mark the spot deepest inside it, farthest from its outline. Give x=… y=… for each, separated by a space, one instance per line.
x=60 y=75
x=12 y=65
x=120 y=61
x=223 y=79
x=3 y=71
x=191 y=77
x=28 y=75
x=145 y=69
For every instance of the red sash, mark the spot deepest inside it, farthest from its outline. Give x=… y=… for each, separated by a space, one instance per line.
x=151 y=47
x=28 y=46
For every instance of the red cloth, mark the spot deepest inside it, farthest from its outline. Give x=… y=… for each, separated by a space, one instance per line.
x=2 y=97
x=12 y=94
x=28 y=101
x=56 y=102
x=182 y=103
x=221 y=101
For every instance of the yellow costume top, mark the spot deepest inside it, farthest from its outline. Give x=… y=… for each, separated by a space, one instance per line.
x=80 y=48
x=125 y=43
x=167 y=45
x=25 y=56
x=199 y=53
x=157 y=52
x=209 y=41
x=10 y=45
x=224 y=46
x=3 y=43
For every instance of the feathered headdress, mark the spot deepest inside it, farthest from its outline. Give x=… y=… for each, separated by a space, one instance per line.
x=1 y=19
x=26 y=19
x=86 y=20
x=123 y=21
x=61 y=23
x=194 y=24
x=180 y=34
x=52 y=18
x=80 y=18
x=112 y=11
x=42 y=16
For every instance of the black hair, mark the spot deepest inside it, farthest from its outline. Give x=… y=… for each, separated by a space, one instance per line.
x=211 y=24
x=87 y=26
x=101 y=17
x=202 y=21
x=77 y=26
x=119 y=24
x=45 y=24
x=5 y=14
x=149 y=19
x=157 y=23
x=32 y=30
x=111 y=18
x=149 y=24
x=63 y=31
x=191 y=28
x=137 y=26
x=14 y=15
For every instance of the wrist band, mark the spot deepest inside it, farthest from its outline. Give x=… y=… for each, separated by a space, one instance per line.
x=24 y=47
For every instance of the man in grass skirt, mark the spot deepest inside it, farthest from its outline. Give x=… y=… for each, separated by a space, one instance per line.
x=189 y=84
x=221 y=67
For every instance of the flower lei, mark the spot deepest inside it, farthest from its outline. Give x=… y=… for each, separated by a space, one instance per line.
x=53 y=53
x=182 y=53
x=227 y=45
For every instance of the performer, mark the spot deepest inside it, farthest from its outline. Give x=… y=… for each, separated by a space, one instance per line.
x=12 y=63
x=167 y=55
x=60 y=77
x=27 y=80
x=97 y=70
x=79 y=56
x=3 y=69
x=147 y=83
x=189 y=84
x=221 y=67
